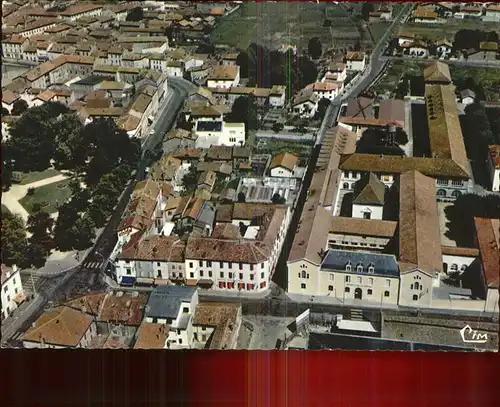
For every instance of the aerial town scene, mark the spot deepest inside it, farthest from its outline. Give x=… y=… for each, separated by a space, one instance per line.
x=243 y=175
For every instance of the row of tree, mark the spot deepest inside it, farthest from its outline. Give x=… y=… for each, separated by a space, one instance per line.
x=265 y=68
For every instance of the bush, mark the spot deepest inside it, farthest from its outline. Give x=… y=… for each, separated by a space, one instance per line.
x=31 y=191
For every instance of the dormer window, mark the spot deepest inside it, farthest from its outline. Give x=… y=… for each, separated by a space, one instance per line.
x=359 y=267
x=371 y=268
x=348 y=266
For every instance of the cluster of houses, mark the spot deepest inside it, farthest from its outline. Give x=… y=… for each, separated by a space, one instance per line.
x=440 y=12
x=407 y=43
x=170 y=317
x=371 y=229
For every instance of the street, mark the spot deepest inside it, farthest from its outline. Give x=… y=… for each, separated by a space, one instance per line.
x=81 y=278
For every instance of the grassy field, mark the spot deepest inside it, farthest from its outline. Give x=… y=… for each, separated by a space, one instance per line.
x=49 y=196
x=5 y=210
x=448 y=29
x=487 y=78
x=390 y=81
x=274 y=24
x=29 y=177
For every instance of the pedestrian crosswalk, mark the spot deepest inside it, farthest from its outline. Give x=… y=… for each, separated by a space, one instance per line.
x=93 y=265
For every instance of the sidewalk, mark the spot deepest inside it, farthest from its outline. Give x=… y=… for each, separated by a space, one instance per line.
x=12 y=324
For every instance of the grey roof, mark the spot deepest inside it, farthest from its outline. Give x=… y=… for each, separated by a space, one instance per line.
x=383 y=264
x=468 y=93
x=92 y=80
x=209 y=126
x=371 y=191
x=207 y=214
x=165 y=300
x=444 y=291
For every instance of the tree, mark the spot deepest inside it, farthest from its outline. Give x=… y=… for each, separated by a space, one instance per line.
x=277 y=199
x=5 y=112
x=13 y=240
x=314 y=48
x=244 y=110
x=322 y=108
x=327 y=23
x=366 y=9
x=63 y=228
x=241 y=197
x=277 y=127
x=242 y=62
x=33 y=137
x=19 y=107
x=68 y=140
x=40 y=226
x=84 y=232
x=190 y=179
x=136 y=14
x=357 y=45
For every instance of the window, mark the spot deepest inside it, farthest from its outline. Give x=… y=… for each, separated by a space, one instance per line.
x=201 y=273
x=347 y=290
x=209 y=263
x=209 y=273
x=454 y=268
x=204 y=338
x=190 y=264
x=415 y=297
x=367 y=215
x=221 y=274
x=359 y=268
x=371 y=268
x=370 y=281
x=251 y=267
x=387 y=283
x=369 y=291
x=386 y=293
x=222 y=284
x=251 y=276
x=5 y=289
x=331 y=276
x=185 y=310
x=348 y=266
x=180 y=340
x=262 y=275
x=347 y=279
x=230 y=265
x=195 y=336
x=263 y=284
x=330 y=288
x=158 y=263
x=8 y=298
x=304 y=274
x=128 y=271
x=241 y=266
x=241 y=276
x=303 y=286
x=345 y=185
x=201 y=263
x=191 y=275
x=173 y=275
x=221 y=264
x=457 y=183
x=442 y=182
x=249 y=286
x=230 y=275
x=15 y=290
x=360 y=280
x=417 y=286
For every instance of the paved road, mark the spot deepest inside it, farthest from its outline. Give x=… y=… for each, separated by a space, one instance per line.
x=78 y=280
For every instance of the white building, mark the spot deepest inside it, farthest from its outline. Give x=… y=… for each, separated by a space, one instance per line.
x=443 y=48
x=224 y=76
x=81 y=10
x=492 y=13
x=327 y=90
x=494 y=164
x=368 y=198
x=12 y=290
x=350 y=275
x=283 y=165
x=305 y=103
x=277 y=96
x=356 y=61
x=219 y=133
x=13 y=47
x=60 y=328
x=174 y=306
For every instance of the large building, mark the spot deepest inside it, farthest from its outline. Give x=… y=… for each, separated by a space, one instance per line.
x=12 y=290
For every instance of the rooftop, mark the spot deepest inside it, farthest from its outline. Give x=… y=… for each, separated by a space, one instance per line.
x=419 y=233
x=165 y=300
x=369 y=190
x=383 y=264
x=362 y=227
x=151 y=336
x=221 y=316
x=123 y=309
x=437 y=72
x=62 y=326
x=488 y=241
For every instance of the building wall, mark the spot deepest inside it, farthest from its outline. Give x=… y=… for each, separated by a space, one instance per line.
x=281 y=172
x=371 y=243
x=11 y=288
x=456 y=264
x=277 y=101
x=356 y=65
x=415 y=283
x=374 y=211
x=302 y=272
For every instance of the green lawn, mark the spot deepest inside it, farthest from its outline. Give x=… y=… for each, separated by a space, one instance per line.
x=48 y=195
x=5 y=210
x=29 y=177
x=487 y=78
x=394 y=74
x=448 y=29
x=273 y=24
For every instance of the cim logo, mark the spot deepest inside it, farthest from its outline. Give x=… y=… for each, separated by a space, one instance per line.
x=469 y=335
